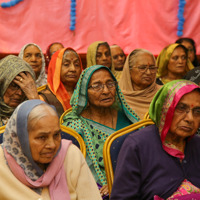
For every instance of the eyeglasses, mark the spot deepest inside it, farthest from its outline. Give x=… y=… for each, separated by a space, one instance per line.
x=183 y=109
x=144 y=68
x=99 y=86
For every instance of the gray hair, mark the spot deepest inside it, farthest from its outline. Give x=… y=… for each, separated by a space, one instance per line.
x=67 y=51
x=137 y=52
x=38 y=112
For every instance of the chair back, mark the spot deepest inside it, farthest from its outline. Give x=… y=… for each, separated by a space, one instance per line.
x=43 y=87
x=70 y=134
x=65 y=113
x=2 y=129
x=113 y=145
x=146 y=116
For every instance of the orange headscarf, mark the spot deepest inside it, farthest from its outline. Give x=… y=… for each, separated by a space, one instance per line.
x=53 y=78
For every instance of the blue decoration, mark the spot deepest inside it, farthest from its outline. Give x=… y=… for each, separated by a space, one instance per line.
x=180 y=17
x=72 y=15
x=10 y=3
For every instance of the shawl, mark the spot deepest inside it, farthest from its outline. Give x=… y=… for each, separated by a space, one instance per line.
x=42 y=78
x=54 y=81
x=162 y=109
x=18 y=155
x=139 y=101
x=91 y=58
x=163 y=60
x=93 y=133
x=10 y=67
x=193 y=75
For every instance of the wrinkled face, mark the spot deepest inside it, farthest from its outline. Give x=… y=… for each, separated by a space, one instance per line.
x=45 y=139
x=185 y=124
x=105 y=97
x=177 y=62
x=71 y=68
x=141 y=80
x=33 y=57
x=13 y=95
x=118 y=57
x=54 y=48
x=190 y=48
x=103 y=56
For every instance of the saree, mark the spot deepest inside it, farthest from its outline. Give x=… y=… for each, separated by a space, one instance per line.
x=10 y=67
x=140 y=100
x=42 y=78
x=93 y=133
x=163 y=60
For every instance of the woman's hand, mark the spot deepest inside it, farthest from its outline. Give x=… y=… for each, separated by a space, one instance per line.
x=27 y=84
x=104 y=190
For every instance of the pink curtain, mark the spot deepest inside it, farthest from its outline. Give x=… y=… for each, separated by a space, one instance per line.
x=131 y=24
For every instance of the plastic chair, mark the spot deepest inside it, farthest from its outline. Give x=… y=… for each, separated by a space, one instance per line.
x=2 y=129
x=112 y=147
x=146 y=116
x=65 y=113
x=43 y=87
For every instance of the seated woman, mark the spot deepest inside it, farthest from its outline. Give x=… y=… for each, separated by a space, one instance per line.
x=193 y=75
x=64 y=70
x=37 y=164
x=98 y=110
x=189 y=43
x=99 y=53
x=173 y=63
x=33 y=55
x=17 y=83
x=163 y=159
x=51 y=49
x=138 y=80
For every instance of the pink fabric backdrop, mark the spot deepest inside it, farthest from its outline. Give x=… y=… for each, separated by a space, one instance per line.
x=149 y=24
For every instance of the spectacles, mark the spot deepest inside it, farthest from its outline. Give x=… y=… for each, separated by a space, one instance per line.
x=99 y=86
x=183 y=109
x=144 y=68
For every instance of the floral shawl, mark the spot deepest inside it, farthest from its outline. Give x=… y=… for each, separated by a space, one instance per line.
x=42 y=78
x=93 y=133
x=162 y=109
x=53 y=79
x=10 y=67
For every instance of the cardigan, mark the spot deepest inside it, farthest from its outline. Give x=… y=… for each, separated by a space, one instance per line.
x=144 y=169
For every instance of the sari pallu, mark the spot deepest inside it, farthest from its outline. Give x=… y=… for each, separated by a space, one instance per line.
x=93 y=133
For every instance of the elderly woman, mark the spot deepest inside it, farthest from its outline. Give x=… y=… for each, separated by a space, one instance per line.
x=99 y=53
x=63 y=73
x=173 y=63
x=98 y=110
x=189 y=43
x=33 y=55
x=37 y=164
x=138 y=80
x=17 y=83
x=163 y=159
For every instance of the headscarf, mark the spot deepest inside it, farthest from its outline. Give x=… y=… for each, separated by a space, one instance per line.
x=91 y=57
x=42 y=78
x=53 y=79
x=162 y=109
x=10 y=67
x=163 y=60
x=140 y=100
x=19 y=158
x=92 y=135
x=193 y=75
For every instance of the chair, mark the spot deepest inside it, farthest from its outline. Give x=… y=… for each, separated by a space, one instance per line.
x=2 y=129
x=65 y=113
x=39 y=89
x=146 y=116
x=70 y=134
x=112 y=147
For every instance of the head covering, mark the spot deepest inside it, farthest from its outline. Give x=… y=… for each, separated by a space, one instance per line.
x=140 y=100
x=94 y=135
x=10 y=67
x=18 y=155
x=42 y=78
x=193 y=75
x=163 y=60
x=91 y=57
x=53 y=79
x=162 y=109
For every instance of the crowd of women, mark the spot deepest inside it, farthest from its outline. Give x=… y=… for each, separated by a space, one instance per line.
x=161 y=161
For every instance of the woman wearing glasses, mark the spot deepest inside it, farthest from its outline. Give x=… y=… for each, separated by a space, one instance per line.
x=162 y=161
x=138 y=80
x=173 y=63
x=98 y=110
